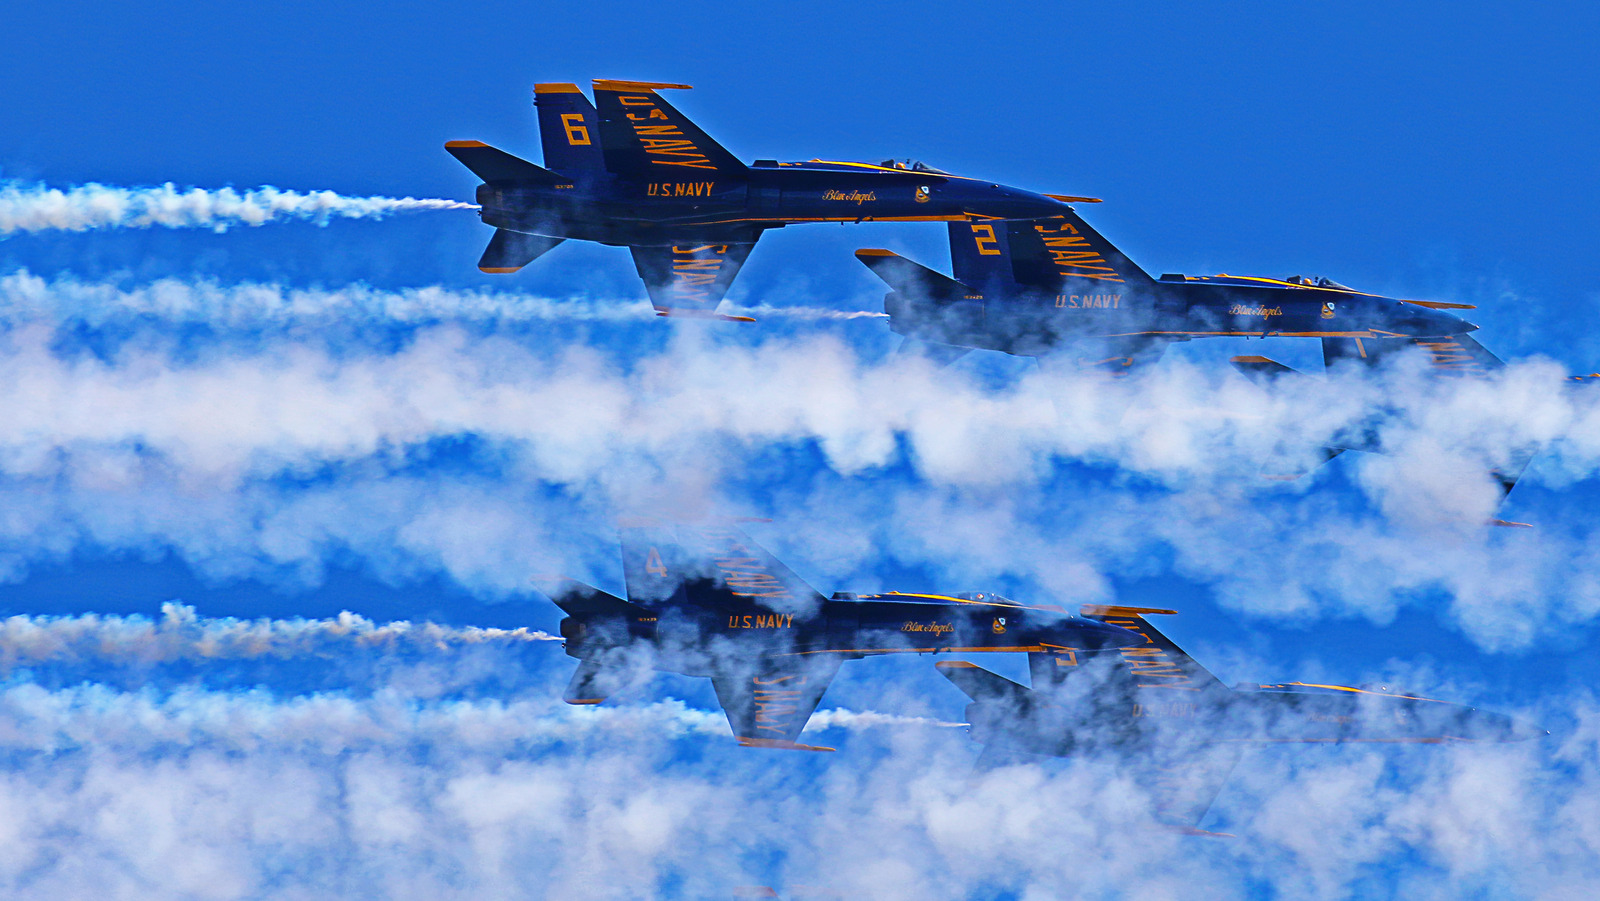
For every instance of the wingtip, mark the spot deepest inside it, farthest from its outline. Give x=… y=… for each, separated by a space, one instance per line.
x=1073 y=198
x=458 y=145
x=1510 y=524
x=672 y=313
x=613 y=84
x=874 y=252
x=499 y=270
x=1116 y=610
x=779 y=744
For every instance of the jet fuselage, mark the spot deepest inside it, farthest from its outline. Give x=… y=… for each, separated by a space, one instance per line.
x=1031 y=322
x=1119 y=724
x=697 y=639
x=686 y=205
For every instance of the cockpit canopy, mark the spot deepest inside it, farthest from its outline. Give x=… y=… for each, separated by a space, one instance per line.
x=910 y=165
x=1316 y=282
x=986 y=597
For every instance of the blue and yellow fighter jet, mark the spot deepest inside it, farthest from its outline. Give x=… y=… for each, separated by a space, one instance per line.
x=1150 y=706
x=1446 y=357
x=1033 y=287
x=705 y=600
x=637 y=173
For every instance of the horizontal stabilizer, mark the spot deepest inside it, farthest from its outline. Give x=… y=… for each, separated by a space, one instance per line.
x=979 y=684
x=579 y=599
x=592 y=683
x=911 y=278
x=509 y=251
x=494 y=165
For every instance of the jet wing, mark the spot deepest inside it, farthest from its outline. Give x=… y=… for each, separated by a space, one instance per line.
x=769 y=705
x=1452 y=357
x=1184 y=786
x=1113 y=358
x=690 y=279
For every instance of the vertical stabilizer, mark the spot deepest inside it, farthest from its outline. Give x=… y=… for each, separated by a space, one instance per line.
x=569 y=128
x=980 y=254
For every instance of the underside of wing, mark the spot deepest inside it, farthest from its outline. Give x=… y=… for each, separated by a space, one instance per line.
x=1183 y=787
x=1111 y=358
x=934 y=352
x=691 y=278
x=769 y=704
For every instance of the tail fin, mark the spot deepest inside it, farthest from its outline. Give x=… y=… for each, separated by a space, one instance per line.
x=1064 y=253
x=980 y=253
x=911 y=279
x=494 y=165
x=509 y=251
x=569 y=128
x=710 y=565
x=642 y=134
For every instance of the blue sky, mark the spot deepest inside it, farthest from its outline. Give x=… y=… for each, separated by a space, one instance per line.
x=340 y=455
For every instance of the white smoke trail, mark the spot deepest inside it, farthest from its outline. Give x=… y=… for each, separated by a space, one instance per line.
x=37 y=208
x=148 y=450
x=90 y=715
x=180 y=635
x=230 y=795
x=25 y=297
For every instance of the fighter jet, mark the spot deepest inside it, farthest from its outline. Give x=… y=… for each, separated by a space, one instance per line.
x=1448 y=357
x=637 y=173
x=705 y=600
x=1031 y=288
x=1154 y=709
